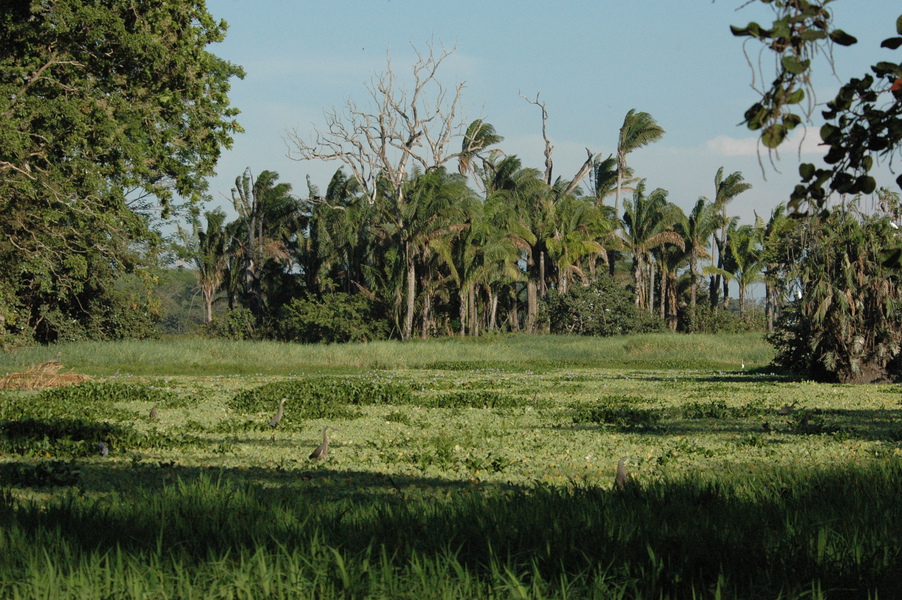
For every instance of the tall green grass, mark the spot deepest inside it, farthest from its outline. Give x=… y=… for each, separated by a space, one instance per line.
x=765 y=535
x=198 y=356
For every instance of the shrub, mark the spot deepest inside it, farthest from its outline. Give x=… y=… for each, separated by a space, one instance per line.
x=321 y=397
x=708 y=319
x=335 y=318
x=603 y=308
x=236 y=324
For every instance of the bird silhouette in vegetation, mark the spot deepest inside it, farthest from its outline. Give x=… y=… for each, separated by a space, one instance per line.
x=277 y=418
x=153 y=412
x=622 y=479
x=787 y=408
x=322 y=451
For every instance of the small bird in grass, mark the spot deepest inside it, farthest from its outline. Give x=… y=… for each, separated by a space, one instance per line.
x=104 y=450
x=323 y=449
x=787 y=408
x=153 y=412
x=278 y=417
x=803 y=424
x=623 y=477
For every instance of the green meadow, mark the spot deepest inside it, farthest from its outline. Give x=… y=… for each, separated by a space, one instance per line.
x=456 y=469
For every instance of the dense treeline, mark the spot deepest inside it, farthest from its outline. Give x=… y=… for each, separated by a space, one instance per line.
x=115 y=115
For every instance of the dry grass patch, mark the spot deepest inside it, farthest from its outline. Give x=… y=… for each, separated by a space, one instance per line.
x=42 y=375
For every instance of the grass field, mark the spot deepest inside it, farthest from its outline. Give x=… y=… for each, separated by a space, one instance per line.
x=456 y=469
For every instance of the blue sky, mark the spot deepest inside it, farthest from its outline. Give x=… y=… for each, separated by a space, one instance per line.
x=591 y=62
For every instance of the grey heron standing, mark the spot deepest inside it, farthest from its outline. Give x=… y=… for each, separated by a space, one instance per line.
x=323 y=449
x=278 y=416
x=622 y=476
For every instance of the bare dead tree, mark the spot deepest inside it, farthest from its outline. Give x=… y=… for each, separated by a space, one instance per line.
x=549 y=167
x=401 y=130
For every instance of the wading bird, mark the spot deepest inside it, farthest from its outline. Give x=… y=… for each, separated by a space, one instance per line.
x=153 y=412
x=323 y=449
x=803 y=424
x=787 y=408
x=103 y=449
x=622 y=476
x=278 y=417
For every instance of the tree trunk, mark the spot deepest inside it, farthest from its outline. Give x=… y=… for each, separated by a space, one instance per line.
x=741 y=301
x=532 y=306
x=726 y=293
x=473 y=317
x=463 y=311
x=769 y=306
x=493 y=309
x=672 y=309
x=638 y=282
x=411 y=298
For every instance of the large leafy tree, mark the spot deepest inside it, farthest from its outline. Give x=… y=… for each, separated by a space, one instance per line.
x=846 y=323
x=863 y=119
x=270 y=222
x=108 y=110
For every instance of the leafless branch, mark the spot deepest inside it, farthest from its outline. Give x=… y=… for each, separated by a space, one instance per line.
x=548 y=147
x=401 y=130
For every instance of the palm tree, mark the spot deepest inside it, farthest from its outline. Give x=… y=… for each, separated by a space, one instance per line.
x=479 y=136
x=526 y=206
x=208 y=250
x=648 y=223
x=670 y=258
x=781 y=250
x=742 y=258
x=701 y=223
x=579 y=225
x=340 y=235
x=430 y=208
x=639 y=129
x=726 y=189
x=269 y=219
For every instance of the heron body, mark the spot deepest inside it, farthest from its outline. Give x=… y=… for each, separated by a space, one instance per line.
x=278 y=417
x=788 y=408
x=323 y=449
x=622 y=476
x=153 y=412
x=803 y=424
x=104 y=450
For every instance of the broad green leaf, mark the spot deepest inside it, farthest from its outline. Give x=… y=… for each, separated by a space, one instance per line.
x=842 y=38
x=793 y=65
x=795 y=97
x=806 y=171
x=829 y=132
x=866 y=184
x=891 y=43
x=752 y=29
x=773 y=135
x=809 y=35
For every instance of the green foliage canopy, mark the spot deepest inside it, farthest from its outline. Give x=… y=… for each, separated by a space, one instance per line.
x=104 y=107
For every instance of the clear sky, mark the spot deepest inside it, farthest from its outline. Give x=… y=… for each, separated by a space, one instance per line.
x=590 y=61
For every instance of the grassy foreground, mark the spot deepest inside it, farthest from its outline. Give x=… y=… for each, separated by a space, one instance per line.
x=457 y=469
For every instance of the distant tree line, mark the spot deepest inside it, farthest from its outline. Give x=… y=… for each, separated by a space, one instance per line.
x=114 y=117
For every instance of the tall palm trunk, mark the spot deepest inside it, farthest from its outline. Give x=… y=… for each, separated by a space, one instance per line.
x=411 y=293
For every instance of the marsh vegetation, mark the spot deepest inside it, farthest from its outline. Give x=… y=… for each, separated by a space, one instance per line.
x=486 y=473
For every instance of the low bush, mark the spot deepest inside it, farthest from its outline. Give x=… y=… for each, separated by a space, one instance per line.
x=604 y=308
x=335 y=318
